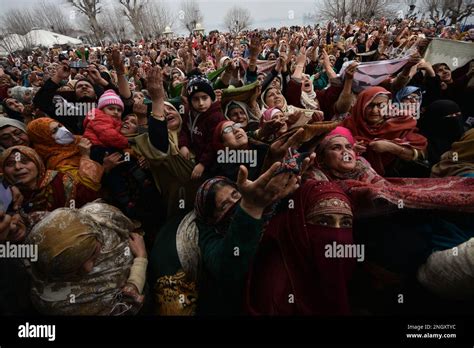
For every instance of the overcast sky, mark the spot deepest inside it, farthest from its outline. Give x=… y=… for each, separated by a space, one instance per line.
x=265 y=13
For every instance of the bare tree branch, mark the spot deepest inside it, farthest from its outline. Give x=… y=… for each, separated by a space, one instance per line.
x=237 y=19
x=190 y=15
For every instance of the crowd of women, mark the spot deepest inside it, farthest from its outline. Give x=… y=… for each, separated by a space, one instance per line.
x=239 y=174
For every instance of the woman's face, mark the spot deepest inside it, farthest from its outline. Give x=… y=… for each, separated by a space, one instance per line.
x=340 y=155
x=274 y=98
x=226 y=197
x=21 y=171
x=129 y=125
x=376 y=110
x=15 y=105
x=238 y=115
x=444 y=73
x=234 y=137
x=332 y=220
x=138 y=97
x=172 y=117
x=306 y=84
x=12 y=136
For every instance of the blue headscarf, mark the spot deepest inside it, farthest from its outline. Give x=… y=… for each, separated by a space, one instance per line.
x=405 y=92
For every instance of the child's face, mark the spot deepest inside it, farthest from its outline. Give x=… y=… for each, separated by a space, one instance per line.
x=201 y=102
x=113 y=111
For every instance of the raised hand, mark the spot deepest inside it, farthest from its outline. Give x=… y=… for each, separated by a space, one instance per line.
x=266 y=190
x=117 y=62
x=154 y=83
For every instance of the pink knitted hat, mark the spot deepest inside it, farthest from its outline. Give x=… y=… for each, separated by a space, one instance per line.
x=109 y=98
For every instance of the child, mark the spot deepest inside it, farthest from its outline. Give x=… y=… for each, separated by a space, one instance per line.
x=198 y=126
x=103 y=128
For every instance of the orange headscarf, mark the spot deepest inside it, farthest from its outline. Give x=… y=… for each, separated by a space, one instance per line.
x=53 y=154
x=400 y=130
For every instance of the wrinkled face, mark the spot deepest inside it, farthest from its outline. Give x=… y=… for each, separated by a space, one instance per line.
x=444 y=73
x=12 y=136
x=172 y=117
x=15 y=105
x=226 y=197
x=114 y=111
x=274 y=98
x=306 y=84
x=201 y=101
x=129 y=125
x=339 y=155
x=233 y=137
x=138 y=97
x=238 y=116
x=376 y=110
x=331 y=220
x=20 y=171
x=84 y=89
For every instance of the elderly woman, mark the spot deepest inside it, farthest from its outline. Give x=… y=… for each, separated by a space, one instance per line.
x=90 y=262
x=240 y=112
x=12 y=133
x=43 y=190
x=64 y=152
x=383 y=139
x=337 y=160
x=292 y=260
x=214 y=244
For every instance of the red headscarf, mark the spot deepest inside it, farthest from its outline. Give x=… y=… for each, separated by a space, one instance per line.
x=291 y=260
x=400 y=130
x=217 y=143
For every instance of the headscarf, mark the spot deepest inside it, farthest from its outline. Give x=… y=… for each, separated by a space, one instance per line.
x=12 y=113
x=362 y=170
x=217 y=143
x=18 y=92
x=204 y=204
x=55 y=155
x=28 y=152
x=66 y=244
x=405 y=92
x=400 y=130
x=440 y=130
x=10 y=122
x=233 y=104
x=66 y=238
x=464 y=163
x=291 y=259
x=268 y=114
